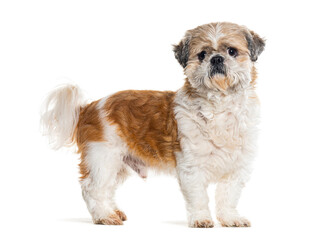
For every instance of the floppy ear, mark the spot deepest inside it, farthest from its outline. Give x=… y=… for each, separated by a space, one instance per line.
x=181 y=51
x=256 y=45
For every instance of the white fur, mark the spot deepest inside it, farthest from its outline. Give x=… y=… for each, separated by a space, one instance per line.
x=217 y=134
x=104 y=161
x=60 y=113
x=101 y=103
x=214 y=34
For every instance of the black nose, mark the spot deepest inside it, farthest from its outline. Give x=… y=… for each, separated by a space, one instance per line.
x=217 y=60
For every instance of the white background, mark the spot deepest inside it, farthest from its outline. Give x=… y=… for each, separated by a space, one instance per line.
x=106 y=46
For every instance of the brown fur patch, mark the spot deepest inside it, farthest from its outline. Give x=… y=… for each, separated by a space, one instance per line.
x=221 y=82
x=113 y=219
x=253 y=84
x=89 y=128
x=189 y=90
x=121 y=215
x=253 y=76
x=146 y=122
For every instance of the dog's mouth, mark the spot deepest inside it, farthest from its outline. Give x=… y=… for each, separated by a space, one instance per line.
x=217 y=69
x=218 y=77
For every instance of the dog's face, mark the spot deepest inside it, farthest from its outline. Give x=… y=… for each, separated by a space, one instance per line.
x=219 y=56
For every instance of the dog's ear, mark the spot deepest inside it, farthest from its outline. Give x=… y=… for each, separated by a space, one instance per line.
x=181 y=51
x=256 y=45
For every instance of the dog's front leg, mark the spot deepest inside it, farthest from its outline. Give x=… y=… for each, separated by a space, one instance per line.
x=227 y=195
x=194 y=188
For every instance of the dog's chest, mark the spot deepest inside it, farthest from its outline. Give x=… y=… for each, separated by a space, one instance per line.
x=219 y=135
x=224 y=124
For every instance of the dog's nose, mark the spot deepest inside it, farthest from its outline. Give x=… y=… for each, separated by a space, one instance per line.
x=218 y=59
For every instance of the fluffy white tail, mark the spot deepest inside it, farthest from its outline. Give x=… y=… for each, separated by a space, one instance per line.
x=60 y=114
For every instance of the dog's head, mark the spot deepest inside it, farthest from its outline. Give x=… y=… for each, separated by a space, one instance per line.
x=219 y=56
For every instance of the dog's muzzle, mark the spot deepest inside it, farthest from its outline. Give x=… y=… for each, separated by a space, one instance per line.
x=217 y=65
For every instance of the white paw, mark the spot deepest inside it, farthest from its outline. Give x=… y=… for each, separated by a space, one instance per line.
x=207 y=223
x=234 y=221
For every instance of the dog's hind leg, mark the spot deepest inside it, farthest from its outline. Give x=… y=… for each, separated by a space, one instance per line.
x=105 y=170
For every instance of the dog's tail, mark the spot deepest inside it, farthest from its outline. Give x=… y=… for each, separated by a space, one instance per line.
x=60 y=114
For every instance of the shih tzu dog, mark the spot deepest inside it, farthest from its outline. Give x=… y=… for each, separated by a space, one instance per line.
x=203 y=133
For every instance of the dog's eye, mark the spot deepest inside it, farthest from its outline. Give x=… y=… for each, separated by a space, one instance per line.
x=201 y=55
x=232 y=52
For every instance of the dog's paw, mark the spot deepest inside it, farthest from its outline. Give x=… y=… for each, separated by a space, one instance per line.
x=121 y=215
x=202 y=224
x=112 y=219
x=234 y=222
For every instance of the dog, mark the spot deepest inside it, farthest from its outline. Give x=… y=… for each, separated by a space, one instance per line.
x=203 y=133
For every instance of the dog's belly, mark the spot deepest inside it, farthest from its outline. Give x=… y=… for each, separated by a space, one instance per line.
x=136 y=164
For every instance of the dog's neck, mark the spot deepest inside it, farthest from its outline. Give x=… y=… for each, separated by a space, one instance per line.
x=211 y=94
x=211 y=103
